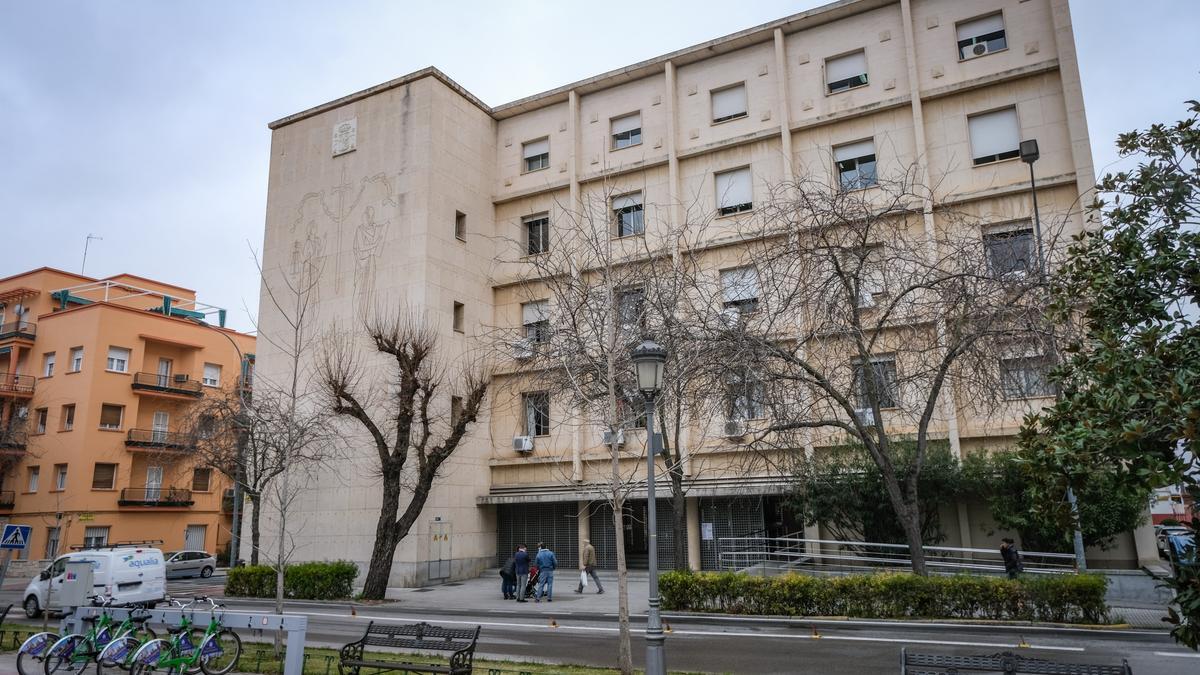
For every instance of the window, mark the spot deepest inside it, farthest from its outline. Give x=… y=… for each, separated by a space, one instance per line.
x=846 y=72
x=994 y=136
x=870 y=276
x=118 y=360
x=460 y=226
x=537 y=233
x=60 y=476
x=212 y=375
x=68 y=417
x=734 y=191
x=536 y=154
x=206 y=427
x=456 y=410
x=627 y=209
x=95 y=537
x=728 y=103
x=104 y=477
x=746 y=396
x=626 y=130
x=35 y=473
x=855 y=165
x=883 y=381
x=537 y=414
x=48 y=364
x=1009 y=250
x=52 y=534
x=631 y=310
x=76 y=360
x=459 y=317
x=201 y=478
x=40 y=415
x=981 y=36
x=631 y=414
x=535 y=317
x=739 y=289
x=1026 y=377
x=110 y=416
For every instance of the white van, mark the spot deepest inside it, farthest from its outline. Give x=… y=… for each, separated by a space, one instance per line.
x=127 y=575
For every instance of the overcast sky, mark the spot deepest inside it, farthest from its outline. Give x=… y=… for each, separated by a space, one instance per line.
x=145 y=122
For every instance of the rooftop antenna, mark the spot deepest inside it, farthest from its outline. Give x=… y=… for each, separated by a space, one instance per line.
x=87 y=243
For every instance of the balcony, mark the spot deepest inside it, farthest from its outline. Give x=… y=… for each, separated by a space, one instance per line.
x=16 y=385
x=227 y=501
x=166 y=385
x=18 y=330
x=12 y=440
x=155 y=497
x=156 y=439
x=8 y=499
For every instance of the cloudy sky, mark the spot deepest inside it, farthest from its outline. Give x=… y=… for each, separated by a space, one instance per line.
x=144 y=122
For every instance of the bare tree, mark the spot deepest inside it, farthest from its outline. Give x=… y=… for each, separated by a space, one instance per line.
x=404 y=415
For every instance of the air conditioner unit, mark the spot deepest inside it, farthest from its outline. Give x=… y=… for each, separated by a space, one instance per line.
x=523 y=443
x=180 y=379
x=523 y=349
x=735 y=429
x=976 y=50
x=609 y=438
x=865 y=416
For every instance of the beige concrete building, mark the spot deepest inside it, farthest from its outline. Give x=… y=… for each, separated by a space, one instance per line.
x=416 y=192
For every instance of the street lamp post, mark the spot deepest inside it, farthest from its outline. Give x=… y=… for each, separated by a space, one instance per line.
x=648 y=360
x=1029 y=155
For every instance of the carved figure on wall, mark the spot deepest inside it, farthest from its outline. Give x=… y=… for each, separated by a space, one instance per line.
x=368 y=243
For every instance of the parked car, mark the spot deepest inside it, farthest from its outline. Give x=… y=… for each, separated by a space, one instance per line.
x=124 y=575
x=190 y=564
x=1163 y=533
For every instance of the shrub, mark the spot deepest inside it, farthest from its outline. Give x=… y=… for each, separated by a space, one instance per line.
x=1058 y=598
x=301 y=581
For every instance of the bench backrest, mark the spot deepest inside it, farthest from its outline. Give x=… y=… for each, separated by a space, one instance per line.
x=1006 y=662
x=420 y=636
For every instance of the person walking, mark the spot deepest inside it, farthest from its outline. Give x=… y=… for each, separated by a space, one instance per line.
x=546 y=563
x=1012 y=557
x=521 y=569
x=587 y=565
x=508 y=577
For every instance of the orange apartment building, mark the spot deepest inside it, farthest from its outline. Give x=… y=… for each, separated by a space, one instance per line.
x=96 y=378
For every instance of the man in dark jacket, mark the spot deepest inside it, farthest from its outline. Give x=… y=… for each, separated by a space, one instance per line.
x=508 y=578
x=1012 y=557
x=521 y=568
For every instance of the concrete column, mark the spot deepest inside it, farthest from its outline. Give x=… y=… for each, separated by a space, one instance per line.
x=693 y=531
x=964 y=525
x=1068 y=73
x=785 y=110
x=584 y=521
x=573 y=159
x=1146 y=544
x=577 y=447
x=675 y=210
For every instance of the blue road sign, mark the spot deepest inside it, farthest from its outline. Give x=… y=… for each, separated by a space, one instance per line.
x=15 y=537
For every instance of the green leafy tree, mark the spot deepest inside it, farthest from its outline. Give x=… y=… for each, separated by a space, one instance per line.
x=1130 y=381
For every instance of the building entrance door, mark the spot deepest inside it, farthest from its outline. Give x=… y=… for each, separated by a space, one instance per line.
x=162 y=422
x=193 y=537
x=164 y=372
x=154 y=476
x=439 y=549
x=637 y=548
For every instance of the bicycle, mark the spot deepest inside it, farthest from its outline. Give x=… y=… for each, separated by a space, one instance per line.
x=116 y=653
x=218 y=649
x=74 y=651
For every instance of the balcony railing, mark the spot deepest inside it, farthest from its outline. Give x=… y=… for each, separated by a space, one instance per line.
x=21 y=385
x=161 y=496
x=18 y=329
x=8 y=499
x=167 y=384
x=155 y=438
x=13 y=440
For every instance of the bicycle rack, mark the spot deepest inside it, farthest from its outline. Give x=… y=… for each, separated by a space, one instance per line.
x=296 y=625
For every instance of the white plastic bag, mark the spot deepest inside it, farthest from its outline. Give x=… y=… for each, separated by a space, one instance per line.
x=583 y=580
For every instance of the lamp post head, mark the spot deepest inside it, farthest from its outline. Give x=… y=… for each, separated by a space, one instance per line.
x=1029 y=151
x=648 y=360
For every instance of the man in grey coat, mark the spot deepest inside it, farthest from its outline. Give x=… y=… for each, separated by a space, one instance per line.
x=587 y=563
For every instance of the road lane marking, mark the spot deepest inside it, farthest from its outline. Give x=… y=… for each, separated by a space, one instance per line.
x=1099 y=630
x=1178 y=655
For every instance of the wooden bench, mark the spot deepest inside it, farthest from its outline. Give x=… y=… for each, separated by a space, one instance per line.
x=1005 y=662
x=459 y=641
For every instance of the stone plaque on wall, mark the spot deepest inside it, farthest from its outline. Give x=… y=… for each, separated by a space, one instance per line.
x=345 y=136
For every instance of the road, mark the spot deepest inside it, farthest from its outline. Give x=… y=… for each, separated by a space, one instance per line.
x=730 y=644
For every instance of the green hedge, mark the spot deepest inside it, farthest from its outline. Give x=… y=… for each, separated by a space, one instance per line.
x=302 y=581
x=1067 y=598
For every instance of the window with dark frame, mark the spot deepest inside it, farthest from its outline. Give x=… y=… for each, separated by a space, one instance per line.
x=627 y=211
x=537 y=413
x=626 y=130
x=735 y=191
x=68 y=417
x=728 y=103
x=631 y=311
x=995 y=136
x=60 y=477
x=459 y=317
x=40 y=416
x=883 y=377
x=846 y=71
x=460 y=226
x=746 y=396
x=536 y=155
x=111 y=416
x=739 y=289
x=201 y=479
x=537 y=234
x=855 y=165
x=535 y=321
x=104 y=476
x=1010 y=251
x=1026 y=377
x=981 y=36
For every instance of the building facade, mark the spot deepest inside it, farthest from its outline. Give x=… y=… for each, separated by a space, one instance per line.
x=97 y=377
x=415 y=193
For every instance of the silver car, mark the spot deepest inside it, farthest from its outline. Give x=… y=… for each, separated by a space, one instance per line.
x=190 y=564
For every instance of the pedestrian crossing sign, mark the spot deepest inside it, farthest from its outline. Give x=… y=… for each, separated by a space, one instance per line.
x=15 y=537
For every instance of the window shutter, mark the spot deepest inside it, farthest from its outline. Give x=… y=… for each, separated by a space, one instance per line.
x=200 y=479
x=212 y=373
x=994 y=133
x=534 y=312
x=104 y=476
x=535 y=148
x=625 y=201
x=739 y=284
x=734 y=188
x=627 y=123
x=854 y=150
x=981 y=26
x=844 y=67
x=729 y=102
x=110 y=415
